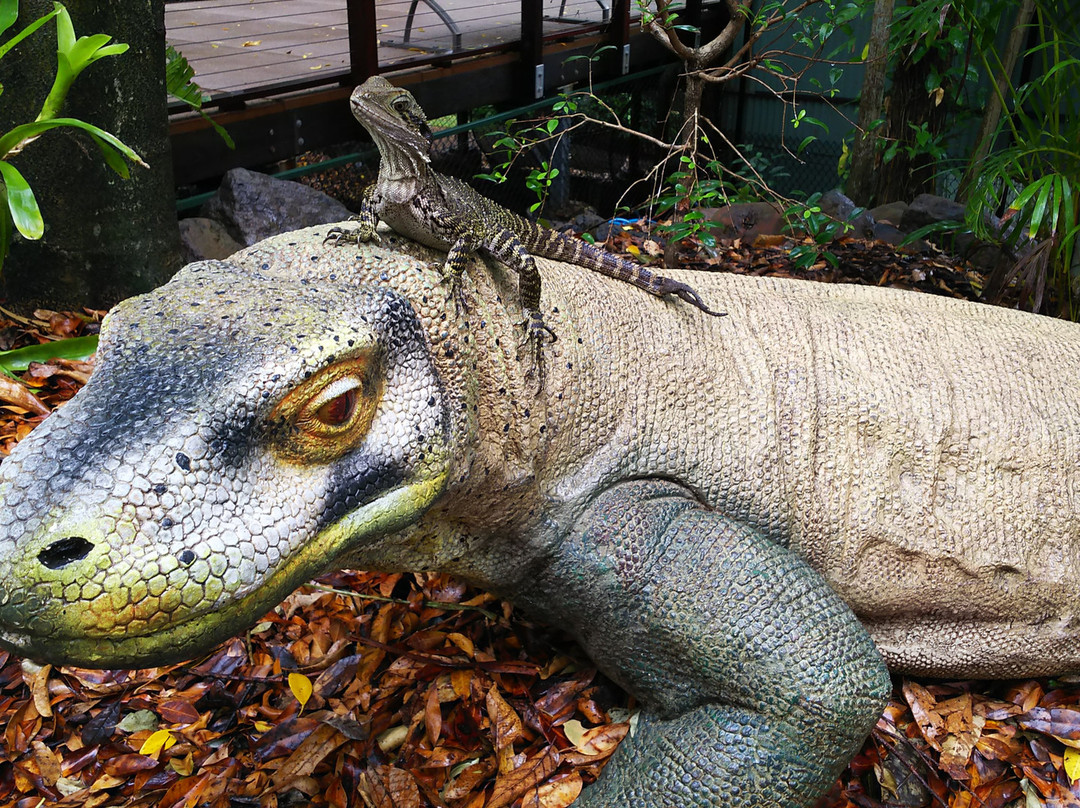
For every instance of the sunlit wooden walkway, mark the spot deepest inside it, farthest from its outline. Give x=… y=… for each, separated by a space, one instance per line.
x=238 y=46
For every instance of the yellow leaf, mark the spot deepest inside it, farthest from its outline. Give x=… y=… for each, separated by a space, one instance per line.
x=1072 y=764
x=263 y=726
x=251 y=43
x=300 y=686
x=162 y=739
x=633 y=249
x=575 y=732
x=183 y=766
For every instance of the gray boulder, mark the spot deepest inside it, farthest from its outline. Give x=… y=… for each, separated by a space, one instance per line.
x=202 y=239
x=254 y=206
x=839 y=207
x=889 y=213
x=929 y=209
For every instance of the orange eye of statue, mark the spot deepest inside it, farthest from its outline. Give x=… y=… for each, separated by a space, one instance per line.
x=338 y=410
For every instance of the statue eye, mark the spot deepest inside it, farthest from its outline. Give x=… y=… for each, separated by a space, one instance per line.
x=330 y=413
x=338 y=410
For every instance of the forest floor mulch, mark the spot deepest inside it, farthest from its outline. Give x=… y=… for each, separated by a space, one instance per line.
x=405 y=691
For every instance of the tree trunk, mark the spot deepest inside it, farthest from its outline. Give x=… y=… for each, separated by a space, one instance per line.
x=105 y=237
x=993 y=104
x=864 y=153
x=907 y=176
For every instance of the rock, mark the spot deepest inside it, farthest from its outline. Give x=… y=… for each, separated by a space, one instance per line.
x=254 y=206
x=929 y=209
x=839 y=207
x=889 y=213
x=888 y=234
x=587 y=220
x=746 y=220
x=202 y=238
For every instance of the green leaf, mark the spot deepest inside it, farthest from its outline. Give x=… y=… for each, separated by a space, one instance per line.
x=178 y=79
x=28 y=30
x=65 y=31
x=9 y=12
x=1039 y=213
x=138 y=720
x=112 y=157
x=28 y=131
x=25 y=212
x=76 y=348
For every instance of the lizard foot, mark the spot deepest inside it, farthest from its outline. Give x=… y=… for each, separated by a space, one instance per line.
x=350 y=235
x=667 y=286
x=536 y=328
x=456 y=291
x=536 y=334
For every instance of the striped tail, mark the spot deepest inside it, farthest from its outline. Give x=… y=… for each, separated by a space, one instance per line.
x=560 y=247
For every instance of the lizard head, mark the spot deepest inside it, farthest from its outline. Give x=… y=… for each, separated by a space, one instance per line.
x=394 y=120
x=242 y=434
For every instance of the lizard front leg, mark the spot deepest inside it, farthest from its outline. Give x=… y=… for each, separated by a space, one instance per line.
x=367 y=220
x=758 y=684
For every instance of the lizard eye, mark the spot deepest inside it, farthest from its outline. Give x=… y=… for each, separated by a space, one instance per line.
x=329 y=413
x=401 y=104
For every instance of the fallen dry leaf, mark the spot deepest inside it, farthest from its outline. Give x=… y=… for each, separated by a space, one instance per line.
x=12 y=392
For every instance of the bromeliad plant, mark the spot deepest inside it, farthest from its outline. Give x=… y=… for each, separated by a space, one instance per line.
x=1039 y=169
x=18 y=207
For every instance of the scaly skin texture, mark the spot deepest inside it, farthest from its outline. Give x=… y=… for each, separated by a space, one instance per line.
x=727 y=513
x=445 y=213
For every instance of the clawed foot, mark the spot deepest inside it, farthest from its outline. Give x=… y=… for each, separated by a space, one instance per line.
x=536 y=333
x=684 y=292
x=350 y=235
x=341 y=235
x=456 y=291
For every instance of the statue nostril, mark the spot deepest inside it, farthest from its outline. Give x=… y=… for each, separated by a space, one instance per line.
x=63 y=552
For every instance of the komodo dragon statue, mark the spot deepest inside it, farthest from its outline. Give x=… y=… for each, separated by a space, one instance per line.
x=742 y=520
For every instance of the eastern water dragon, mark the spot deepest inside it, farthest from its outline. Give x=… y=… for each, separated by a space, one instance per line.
x=446 y=213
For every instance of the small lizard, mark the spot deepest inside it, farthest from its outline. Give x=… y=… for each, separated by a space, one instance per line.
x=445 y=213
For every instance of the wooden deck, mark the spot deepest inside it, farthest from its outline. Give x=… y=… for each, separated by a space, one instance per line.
x=239 y=46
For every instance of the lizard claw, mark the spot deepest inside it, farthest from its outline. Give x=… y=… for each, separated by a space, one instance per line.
x=684 y=292
x=341 y=235
x=536 y=328
x=351 y=235
x=536 y=334
x=456 y=291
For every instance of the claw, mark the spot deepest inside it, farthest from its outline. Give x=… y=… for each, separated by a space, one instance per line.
x=684 y=292
x=456 y=290
x=534 y=330
x=340 y=235
x=353 y=235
